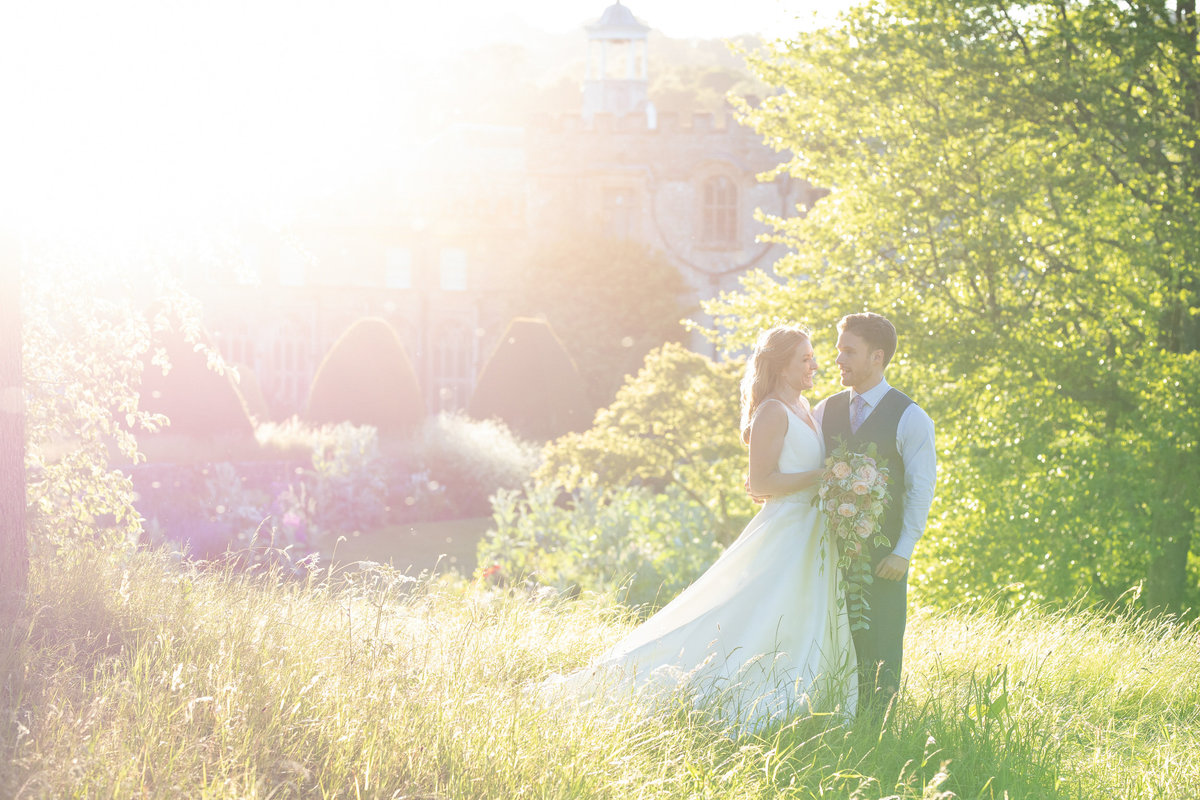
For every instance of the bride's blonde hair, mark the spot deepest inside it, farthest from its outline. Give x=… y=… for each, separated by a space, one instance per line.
x=771 y=354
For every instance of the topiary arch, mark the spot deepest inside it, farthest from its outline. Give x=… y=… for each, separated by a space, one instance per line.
x=367 y=379
x=531 y=384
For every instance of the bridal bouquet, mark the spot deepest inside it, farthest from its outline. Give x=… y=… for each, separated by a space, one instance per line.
x=853 y=495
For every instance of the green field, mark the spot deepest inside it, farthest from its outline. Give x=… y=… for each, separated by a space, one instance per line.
x=142 y=678
x=415 y=548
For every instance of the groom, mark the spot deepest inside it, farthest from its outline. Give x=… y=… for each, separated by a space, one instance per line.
x=870 y=410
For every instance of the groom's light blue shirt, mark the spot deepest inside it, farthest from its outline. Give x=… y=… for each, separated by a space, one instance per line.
x=914 y=442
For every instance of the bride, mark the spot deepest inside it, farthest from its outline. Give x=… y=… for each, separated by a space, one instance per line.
x=759 y=637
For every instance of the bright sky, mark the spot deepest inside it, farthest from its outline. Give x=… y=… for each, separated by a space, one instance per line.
x=159 y=113
x=682 y=19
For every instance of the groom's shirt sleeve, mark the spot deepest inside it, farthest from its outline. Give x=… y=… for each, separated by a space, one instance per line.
x=914 y=440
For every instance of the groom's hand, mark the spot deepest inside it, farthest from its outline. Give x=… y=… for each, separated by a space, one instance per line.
x=892 y=568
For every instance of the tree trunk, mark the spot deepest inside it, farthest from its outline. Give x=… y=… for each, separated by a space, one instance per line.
x=14 y=546
x=1166 y=581
x=1173 y=521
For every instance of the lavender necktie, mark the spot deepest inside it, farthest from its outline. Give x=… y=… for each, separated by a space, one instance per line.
x=856 y=412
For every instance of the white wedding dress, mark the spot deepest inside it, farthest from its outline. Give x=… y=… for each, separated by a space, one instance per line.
x=759 y=637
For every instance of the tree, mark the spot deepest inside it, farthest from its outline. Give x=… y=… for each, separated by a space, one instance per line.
x=84 y=350
x=610 y=301
x=14 y=543
x=531 y=384
x=674 y=424
x=366 y=378
x=1016 y=186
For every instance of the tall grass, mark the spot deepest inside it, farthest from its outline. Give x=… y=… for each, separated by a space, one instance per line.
x=147 y=679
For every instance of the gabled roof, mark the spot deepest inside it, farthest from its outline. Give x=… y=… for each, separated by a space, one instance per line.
x=618 y=22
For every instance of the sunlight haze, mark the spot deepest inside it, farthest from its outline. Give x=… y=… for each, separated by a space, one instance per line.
x=152 y=115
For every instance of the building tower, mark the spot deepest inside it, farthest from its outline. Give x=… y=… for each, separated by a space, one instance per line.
x=616 y=80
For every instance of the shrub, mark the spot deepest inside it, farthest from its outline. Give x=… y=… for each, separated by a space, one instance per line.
x=187 y=382
x=367 y=379
x=211 y=509
x=345 y=490
x=610 y=301
x=531 y=384
x=472 y=459
x=655 y=544
x=674 y=424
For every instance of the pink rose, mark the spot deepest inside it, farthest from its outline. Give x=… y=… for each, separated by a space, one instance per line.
x=841 y=470
x=847 y=510
x=831 y=505
x=860 y=487
x=868 y=473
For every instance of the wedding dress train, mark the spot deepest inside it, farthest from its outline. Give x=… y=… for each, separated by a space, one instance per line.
x=759 y=637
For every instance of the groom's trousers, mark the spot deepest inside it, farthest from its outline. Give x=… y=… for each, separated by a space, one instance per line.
x=880 y=648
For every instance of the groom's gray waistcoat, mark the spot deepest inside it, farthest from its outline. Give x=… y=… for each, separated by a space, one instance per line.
x=880 y=428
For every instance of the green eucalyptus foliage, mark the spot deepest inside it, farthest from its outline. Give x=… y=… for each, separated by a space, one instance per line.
x=1017 y=186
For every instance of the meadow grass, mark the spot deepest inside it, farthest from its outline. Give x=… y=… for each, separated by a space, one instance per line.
x=145 y=678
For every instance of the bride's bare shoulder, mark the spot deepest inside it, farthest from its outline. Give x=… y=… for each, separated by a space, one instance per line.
x=770 y=411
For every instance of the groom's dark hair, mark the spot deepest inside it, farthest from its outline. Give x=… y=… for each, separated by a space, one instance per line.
x=876 y=330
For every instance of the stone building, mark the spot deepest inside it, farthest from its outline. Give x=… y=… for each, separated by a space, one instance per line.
x=431 y=254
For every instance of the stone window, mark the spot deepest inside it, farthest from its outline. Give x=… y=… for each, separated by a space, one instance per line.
x=719 y=222
x=398 y=268
x=453 y=272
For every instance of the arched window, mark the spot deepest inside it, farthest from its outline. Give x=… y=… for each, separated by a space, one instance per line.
x=453 y=356
x=718 y=225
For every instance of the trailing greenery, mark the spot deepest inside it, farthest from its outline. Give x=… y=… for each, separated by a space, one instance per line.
x=1014 y=185
x=133 y=677
x=649 y=546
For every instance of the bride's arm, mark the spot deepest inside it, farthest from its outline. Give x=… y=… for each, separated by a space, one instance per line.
x=766 y=443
